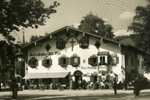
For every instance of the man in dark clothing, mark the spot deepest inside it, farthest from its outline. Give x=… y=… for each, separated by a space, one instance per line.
x=136 y=86
x=115 y=85
x=14 y=88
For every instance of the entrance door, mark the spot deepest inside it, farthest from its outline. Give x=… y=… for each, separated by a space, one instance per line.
x=78 y=79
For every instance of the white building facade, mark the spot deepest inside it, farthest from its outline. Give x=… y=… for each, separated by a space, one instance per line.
x=78 y=55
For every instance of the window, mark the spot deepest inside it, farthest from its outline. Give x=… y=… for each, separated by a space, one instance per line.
x=63 y=61
x=102 y=60
x=84 y=42
x=60 y=44
x=93 y=60
x=113 y=59
x=75 y=61
x=33 y=62
x=47 y=62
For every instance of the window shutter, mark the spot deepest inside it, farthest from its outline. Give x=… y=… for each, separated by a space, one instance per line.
x=33 y=62
x=63 y=61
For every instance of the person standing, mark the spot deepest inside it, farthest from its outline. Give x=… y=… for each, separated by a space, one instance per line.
x=137 y=83
x=115 y=85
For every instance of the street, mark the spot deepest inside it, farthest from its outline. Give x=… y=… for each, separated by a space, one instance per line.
x=76 y=95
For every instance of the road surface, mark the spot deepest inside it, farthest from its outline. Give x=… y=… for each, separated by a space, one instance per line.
x=76 y=95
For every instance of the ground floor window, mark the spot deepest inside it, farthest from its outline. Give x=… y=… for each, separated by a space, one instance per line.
x=93 y=60
x=75 y=60
x=33 y=62
x=47 y=62
x=63 y=61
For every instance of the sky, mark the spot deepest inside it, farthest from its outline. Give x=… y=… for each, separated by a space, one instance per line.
x=118 y=13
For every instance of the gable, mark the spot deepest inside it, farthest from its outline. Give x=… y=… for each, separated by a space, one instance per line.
x=66 y=33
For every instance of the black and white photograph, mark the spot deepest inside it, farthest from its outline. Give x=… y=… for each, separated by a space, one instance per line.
x=74 y=49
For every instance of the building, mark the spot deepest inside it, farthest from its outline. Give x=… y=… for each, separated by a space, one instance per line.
x=68 y=56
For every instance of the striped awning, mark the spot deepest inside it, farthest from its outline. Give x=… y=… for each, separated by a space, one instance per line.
x=46 y=75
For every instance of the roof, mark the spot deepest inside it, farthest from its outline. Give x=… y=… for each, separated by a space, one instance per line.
x=66 y=28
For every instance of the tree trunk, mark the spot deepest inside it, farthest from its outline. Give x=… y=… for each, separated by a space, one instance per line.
x=14 y=89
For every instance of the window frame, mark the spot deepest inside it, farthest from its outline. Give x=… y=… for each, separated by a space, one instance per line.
x=61 y=62
x=75 y=64
x=47 y=65
x=34 y=63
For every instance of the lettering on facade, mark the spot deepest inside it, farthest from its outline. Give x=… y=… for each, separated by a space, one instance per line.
x=88 y=67
x=45 y=54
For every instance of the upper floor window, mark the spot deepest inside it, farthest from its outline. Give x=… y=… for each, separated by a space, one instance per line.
x=33 y=62
x=60 y=44
x=84 y=42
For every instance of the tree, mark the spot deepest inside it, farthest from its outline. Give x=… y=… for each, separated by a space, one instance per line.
x=141 y=26
x=26 y=13
x=16 y=13
x=94 y=24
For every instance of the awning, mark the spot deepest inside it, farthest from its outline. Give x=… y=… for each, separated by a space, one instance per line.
x=46 y=75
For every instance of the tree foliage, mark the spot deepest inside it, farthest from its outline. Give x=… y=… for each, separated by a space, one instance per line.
x=13 y=15
x=94 y=24
x=26 y=13
x=141 y=26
